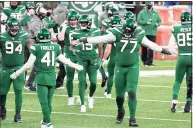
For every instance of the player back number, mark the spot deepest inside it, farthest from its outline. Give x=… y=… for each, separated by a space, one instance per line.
x=185 y=39
x=49 y=58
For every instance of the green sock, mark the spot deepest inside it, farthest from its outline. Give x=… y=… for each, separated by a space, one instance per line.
x=82 y=91
x=46 y=112
x=3 y=101
x=18 y=101
x=102 y=71
x=69 y=87
x=132 y=103
x=92 y=89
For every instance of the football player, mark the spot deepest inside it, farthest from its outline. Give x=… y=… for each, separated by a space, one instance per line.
x=43 y=56
x=182 y=36
x=88 y=58
x=72 y=17
x=12 y=45
x=128 y=40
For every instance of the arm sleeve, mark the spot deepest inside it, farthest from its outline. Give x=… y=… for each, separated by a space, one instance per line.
x=66 y=61
x=150 y=44
x=172 y=44
x=109 y=38
x=28 y=64
x=140 y=19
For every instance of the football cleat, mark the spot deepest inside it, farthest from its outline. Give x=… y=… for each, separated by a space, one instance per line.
x=30 y=87
x=43 y=124
x=90 y=102
x=108 y=96
x=3 y=113
x=79 y=101
x=70 y=101
x=83 y=108
x=132 y=122
x=187 y=107
x=120 y=116
x=17 y=119
x=104 y=80
x=59 y=86
x=174 y=106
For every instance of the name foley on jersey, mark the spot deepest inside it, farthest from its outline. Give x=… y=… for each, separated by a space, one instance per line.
x=49 y=48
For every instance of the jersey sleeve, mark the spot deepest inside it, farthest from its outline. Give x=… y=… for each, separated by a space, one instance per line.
x=59 y=50
x=97 y=32
x=33 y=50
x=25 y=35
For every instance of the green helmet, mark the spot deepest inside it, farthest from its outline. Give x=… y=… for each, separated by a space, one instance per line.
x=108 y=6
x=85 y=22
x=129 y=26
x=129 y=15
x=44 y=36
x=111 y=12
x=116 y=21
x=39 y=4
x=13 y=26
x=72 y=17
x=186 y=18
x=30 y=5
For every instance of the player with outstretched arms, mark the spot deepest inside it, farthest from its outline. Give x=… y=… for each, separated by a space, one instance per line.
x=43 y=56
x=128 y=40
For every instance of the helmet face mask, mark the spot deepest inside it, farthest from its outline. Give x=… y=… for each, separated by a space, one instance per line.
x=186 y=18
x=13 y=26
x=44 y=36
x=129 y=27
x=85 y=22
x=72 y=17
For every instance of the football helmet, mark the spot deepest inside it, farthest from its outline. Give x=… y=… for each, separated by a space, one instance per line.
x=13 y=26
x=186 y=18
x=111 y=12
x=72 y=17
x=44 y=36
x=129 y=26
x=85 y=22
x=116 y=21
x=108 y=6
x=30 y=5
x=129 y=15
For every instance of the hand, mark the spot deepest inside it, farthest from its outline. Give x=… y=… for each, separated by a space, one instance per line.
x=105 y=62
x=164 y=51
x=78 y=67
x=14 y=75
x=156 y=24
x=31 y=12
x=83 y=39
x=149 y=22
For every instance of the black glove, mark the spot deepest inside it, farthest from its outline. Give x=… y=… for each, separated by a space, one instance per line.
x=83 y=39
x=164 y=51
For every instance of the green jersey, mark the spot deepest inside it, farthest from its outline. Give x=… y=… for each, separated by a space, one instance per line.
x=127 y=48
x=87 y=51
x=46 y=54
x=12 y=48
x=184 y=36
x=67 y=30
x=15 y=13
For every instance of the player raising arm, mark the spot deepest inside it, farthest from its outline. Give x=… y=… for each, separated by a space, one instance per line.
x=44 y=55
x=128 y=40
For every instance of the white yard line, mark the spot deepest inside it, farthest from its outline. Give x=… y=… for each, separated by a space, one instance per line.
x=106 y=116
x=100 y=97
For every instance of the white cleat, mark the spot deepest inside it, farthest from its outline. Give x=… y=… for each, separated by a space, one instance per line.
x=174 y=106
x=49 y=126
x=90 y=102
x=70 y=101
x=79 y=101
x=105 y=94
x=108 y=96
x=43 y=124
x=83 y=108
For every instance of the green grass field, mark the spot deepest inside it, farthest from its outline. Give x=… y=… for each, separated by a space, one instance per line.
x=153 y=109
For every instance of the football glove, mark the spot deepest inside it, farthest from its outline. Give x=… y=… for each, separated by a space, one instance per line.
x=78 y=67
x=164 y=51
x=98 y=63
x=14 y=75
x=83 y=39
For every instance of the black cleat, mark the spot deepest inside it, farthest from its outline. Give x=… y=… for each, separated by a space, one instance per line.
x=59 y=86
x=173 y=108
x=30 y=87
x=120 y=116
x=104 y=80
x=3 y=114
x=17 y=119
x=132 y=122
x=187 y=107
